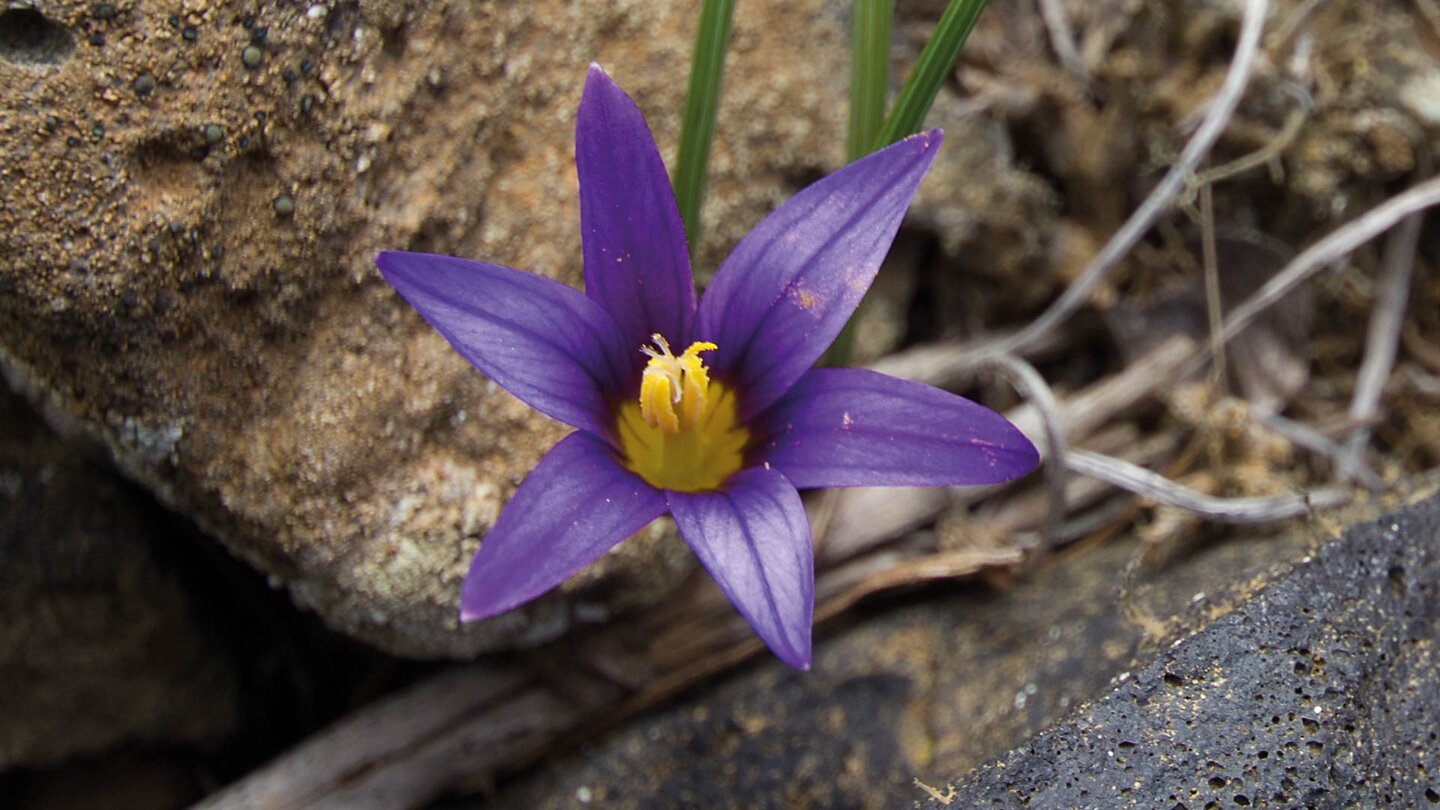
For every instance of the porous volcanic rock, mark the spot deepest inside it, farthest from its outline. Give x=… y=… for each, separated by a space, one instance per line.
x=1322 y=691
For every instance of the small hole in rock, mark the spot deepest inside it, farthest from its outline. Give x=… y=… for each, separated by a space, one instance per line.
x=28 y=38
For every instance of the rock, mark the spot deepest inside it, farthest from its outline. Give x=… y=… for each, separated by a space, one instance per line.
x=99 y=643
x=1322 y=691
x=1206 y=670
x=917 y=690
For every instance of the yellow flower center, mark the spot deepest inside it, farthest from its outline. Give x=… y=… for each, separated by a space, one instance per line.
x=683 y=433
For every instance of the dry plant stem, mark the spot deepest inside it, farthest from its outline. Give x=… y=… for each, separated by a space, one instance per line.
x=1160 y=489
x=1033 y=387
x=1018 y=514
x=1306 y=437
x=1387 y=315
x=1268 y=153
x=1216 y=118
x=864 y=517
x=409 y=748
x=1062 y=38
x=1213 y=307
x=1337 y=245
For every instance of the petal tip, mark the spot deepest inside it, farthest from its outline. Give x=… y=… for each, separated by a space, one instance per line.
x=388 y=263
x=797 y=660
x=597 y=77
x=929 y=140
x=1025 y=458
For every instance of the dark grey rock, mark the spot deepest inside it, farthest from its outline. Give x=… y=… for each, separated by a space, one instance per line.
x=1322 y=691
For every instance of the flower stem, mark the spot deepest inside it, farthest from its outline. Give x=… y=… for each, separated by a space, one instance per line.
x=905 y=118
x=869 y=73
x=712 y=37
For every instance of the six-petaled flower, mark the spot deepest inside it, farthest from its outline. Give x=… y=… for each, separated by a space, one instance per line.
x=710 y=412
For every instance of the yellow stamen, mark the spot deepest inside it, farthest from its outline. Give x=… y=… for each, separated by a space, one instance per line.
x=671 y=380
x=684 y=432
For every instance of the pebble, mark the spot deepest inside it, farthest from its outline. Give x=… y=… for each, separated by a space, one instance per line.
x=284 y=205
x=251 y=56
x=213 y=134
x=144 y=85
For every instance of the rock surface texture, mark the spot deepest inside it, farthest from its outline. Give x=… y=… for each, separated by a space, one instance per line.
x=1287 y=671
x=1322 y=691
x=192 y=195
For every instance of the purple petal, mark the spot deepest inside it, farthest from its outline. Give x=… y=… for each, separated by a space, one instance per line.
x=754 y=540
x=787 y=289
x=574 y=506
x=545 y=343
x=847 y=427
x=636 y=264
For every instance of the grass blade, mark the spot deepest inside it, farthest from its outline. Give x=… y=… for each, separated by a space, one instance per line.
x=911 y=106
x=697 y=129
x=930 y=70
x=869 y=73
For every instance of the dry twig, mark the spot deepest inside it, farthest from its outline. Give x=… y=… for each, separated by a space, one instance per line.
x=1221 y=108
x=1033 y=388
x=1136 y=479
x=1386 y=317
x=1062 y=39
x=1335 y=246
x=948 y=363
x=1308 y=438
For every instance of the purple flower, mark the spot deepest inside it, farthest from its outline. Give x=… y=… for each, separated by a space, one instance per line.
x=712 y=413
